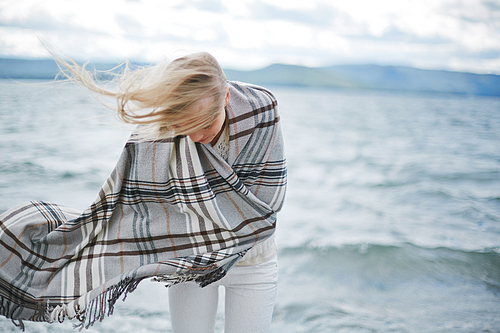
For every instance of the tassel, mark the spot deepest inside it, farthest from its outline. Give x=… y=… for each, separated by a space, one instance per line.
x=104 y=304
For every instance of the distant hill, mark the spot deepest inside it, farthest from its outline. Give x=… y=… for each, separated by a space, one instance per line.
x=412 y=79
x=341 y=77
x=290 y=75
x=45 y=69
x=373 y=77
x=28 y=69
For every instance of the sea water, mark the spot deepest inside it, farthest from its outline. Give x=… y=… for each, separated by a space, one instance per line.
x=392 y=217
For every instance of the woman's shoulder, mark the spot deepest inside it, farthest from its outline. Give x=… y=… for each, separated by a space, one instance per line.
x=252 y=94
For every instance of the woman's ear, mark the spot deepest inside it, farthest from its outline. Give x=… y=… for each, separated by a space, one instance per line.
x=227 y=96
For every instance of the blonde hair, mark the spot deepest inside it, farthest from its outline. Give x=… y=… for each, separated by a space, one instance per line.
x=164 y=98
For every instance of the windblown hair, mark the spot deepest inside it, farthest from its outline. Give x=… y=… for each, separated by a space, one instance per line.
x=165 y=97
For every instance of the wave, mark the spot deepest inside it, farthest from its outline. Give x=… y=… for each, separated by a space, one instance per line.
x=398 y=262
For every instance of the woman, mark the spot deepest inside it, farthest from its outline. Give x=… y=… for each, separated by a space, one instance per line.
x=195 y=192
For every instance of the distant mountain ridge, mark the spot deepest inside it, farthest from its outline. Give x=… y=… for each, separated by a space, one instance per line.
x=44 y=69
x=412 y=79
x=397 y=78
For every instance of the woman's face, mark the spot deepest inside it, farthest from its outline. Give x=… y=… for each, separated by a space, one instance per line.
x=212 y=133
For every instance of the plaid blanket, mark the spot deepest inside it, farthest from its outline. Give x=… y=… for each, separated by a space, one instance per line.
x=172 y=210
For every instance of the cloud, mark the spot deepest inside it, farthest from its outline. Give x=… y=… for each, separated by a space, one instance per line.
x=476 y=11
x=129 y=25
x=34 y=19
x=492 y=5
x=208 y=6
x=395 y=34
x=320 y=15
x=253 y=33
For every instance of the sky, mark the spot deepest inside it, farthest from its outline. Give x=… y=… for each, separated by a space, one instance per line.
x=457 y=35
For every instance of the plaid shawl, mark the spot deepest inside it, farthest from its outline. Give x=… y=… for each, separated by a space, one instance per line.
x=172 y=209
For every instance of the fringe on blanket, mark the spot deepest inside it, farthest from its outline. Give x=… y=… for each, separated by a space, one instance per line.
x=103 y=305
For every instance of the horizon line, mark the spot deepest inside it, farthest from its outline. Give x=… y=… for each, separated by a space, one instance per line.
x=114 y=62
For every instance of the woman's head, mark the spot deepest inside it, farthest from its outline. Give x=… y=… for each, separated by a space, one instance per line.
x=182 y=97
x=186 y=96
x=210 y=131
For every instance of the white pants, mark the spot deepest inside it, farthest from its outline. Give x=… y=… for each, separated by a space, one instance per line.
x=249 y=304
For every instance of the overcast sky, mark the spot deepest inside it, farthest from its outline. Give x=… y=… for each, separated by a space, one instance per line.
x=461 y=35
